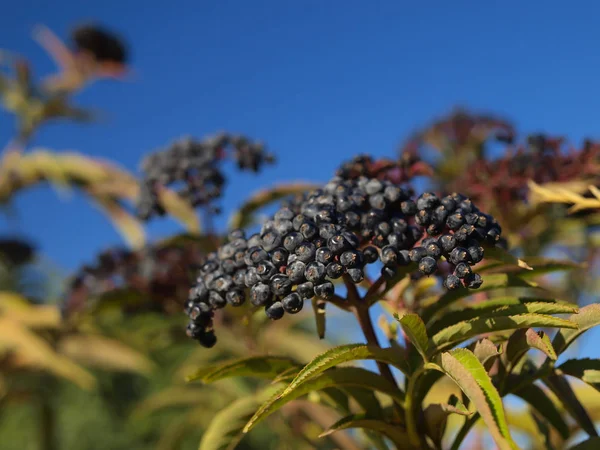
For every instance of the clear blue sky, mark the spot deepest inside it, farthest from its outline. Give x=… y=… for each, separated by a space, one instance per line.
x=318 y=80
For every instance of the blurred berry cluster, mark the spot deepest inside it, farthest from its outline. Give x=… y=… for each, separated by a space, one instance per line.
x=156 y=277
x=192 y=168
x=99 y=43
x=335 y=232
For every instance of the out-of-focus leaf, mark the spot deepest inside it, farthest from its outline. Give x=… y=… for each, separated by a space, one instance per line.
x=521 y=341
x=171 y=397
x=539 y=400
x=256 y=366
x=49 y=168
x=415 y=330
x=179 y=208
x=586 y=369
x=463 y=331
x=486 y=352
x=225 y=430
x=129 y=227
x=318 y=306
x=104 y=353
x=564 y=392
x=505 y=306
x=31 y=351
x=390 y=431
x=540 y=266
x=17 y=308
x=586 y=318
x=436 y=418
x=244 y=215
x=588 y=444
x=499 y=254
x=463 y=367
x=490 y=282
x=341 y=376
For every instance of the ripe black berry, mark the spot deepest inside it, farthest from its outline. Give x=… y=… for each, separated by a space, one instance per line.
x=275 y=311
x=235 y=298
x=462 y=270
x=356 y=275
x=389 y=256
x=292 y=303
x=451 y=282
x=370 y=255
x=315 y=272
x=260 y=294
x=417 y=253
x=325 y=290
x=281 y=285
x=427 y=265
x=458 y=255
x=334 y=270
x=306 y=290
x=476 y=253
x=473 y=281
x=295 y=271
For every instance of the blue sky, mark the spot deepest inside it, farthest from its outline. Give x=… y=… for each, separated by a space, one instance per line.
x=319 y=81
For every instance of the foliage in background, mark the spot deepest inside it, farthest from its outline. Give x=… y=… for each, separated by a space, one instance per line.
x=106 y=366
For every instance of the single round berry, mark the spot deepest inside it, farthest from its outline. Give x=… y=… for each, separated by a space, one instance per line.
x=275 y=311
x=279 y=257
x=417 y=254
x=260 y=294
x=324 y=255
x=265 y=270
x=476 y=253
x=427 y=265
x=235 y=298
x=452 y=282
x=281 y=285
x=251 y=277
x=408 y=207
x=216 y=300
x=338 y=244
x=473 y=281
x=434 y=250
x=462 y=270
x=309 y=230
x=293 y=303
x=306 y=290
x=427 y=200
x=306 y=252
x=370 y=255
x=292 y=240
x=388 y=272
x=334 y=270
x=389 y=256
x=325 y=290
x=295 y=271
x=447 y=242
x=455 y=221
x=459 y=254
x=315 y=272
x=351 y=258
x=356 y=275
x=271 y=240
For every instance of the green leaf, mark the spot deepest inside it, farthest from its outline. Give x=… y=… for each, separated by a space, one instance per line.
x=499 y=254
x=463 y=367
x=486 y=352
x=319 y=310
x=225 y=430
x=588 y=444
x=463 y=331
x=341 y=376
x=179 y=208
x=256 y=366
x=504 y=306
x=415 y=330
x=562 y=389
x=541 y=266
x=539 y=400
x=393 y=432
x=490 y=282
x=244 y=215
x=521 y=341
x=586 y=318
x=367 y=400
x=129 y=227
x=586 y=369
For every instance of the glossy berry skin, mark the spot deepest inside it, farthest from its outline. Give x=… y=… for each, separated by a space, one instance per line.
x=325 y=290
x=462 y=270
x=473 y=281
x=281 y=285
x=417 y=254
x=459 y=254
x=306 y=290
x=388 y=272
x=334 y=270
x=293 y=303
x=260 y=294
x=475 y=253
x=356 y=275
x=370 y=255
x=452 y=282
x=315 y=272
x=275 y=311
x=427 y=265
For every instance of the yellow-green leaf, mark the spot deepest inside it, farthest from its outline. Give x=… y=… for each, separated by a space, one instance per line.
x=587 y=317
x=486 y=352
x=415 y=330
x=393 y=432
x=128 y=226
x=256 y=366
x=179 y=208
x=499 y=254
x=521 y=341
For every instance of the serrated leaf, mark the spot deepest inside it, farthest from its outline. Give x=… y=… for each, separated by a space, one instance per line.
x=504 y=306
x=541 y=266
x=462 y=331
x=225 y=430
x=255 y=366
x=486 y=352
x=468 y=373
x=586 y=369
x=179 y=208
x=499 y=254
x=587 y=317
x=244 y=215
x=104 y=353
x=521 y=341
x=340 y=376
x=129 y=227
x=588 y=444
x=318 y=306
x=393 y=432
x=490 y=282
x=540 y=401
x=564 y=392
x=415 y=330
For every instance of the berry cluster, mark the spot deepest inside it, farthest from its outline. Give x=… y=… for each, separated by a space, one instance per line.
x=397 y=172
x=157 y=277
x=99 y=43
x=334 y=232
x=192 y=168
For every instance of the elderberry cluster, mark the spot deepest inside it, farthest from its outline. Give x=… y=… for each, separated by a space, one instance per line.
x=333 y=232
x=192 y=168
